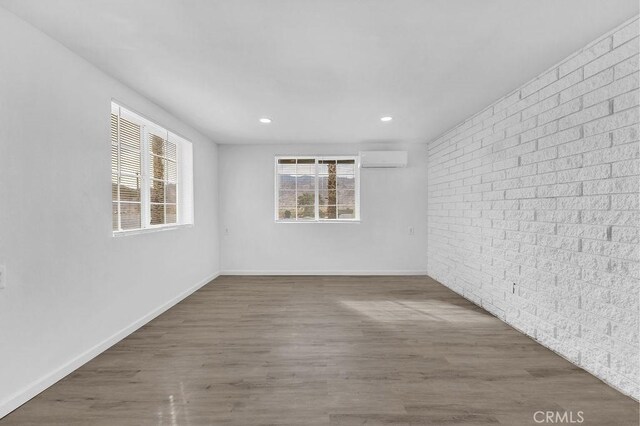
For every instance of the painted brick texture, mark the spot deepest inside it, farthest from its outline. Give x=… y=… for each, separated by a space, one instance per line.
x=533 y=208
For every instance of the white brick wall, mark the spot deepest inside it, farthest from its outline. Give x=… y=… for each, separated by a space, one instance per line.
x=541 y=189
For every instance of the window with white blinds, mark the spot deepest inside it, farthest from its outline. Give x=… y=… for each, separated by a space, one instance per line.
x=317 y=189
x=151 y=174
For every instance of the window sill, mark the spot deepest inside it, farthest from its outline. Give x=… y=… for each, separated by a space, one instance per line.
x=320 y=221
x=150 y=230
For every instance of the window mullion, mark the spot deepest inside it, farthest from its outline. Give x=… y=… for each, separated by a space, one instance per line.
x=145 y=195
x=118 y=177
x=177 y=186
x=317 y=197
x=296 y=198
x=276 y=201
x=356 y=167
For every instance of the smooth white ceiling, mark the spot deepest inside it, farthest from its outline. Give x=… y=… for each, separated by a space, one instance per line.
x=323 y=70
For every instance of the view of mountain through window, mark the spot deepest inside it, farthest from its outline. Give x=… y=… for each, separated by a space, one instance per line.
x=317 y=189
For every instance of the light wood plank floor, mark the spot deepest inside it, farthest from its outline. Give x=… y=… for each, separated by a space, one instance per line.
x=325 y=350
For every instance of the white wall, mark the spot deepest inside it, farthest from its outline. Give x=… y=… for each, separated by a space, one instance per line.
x=391 y=201
x=71 y=285
x=541 y=189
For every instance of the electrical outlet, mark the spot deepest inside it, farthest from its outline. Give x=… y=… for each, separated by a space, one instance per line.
x=412 y=230
x=226 y=231
x=3 y=276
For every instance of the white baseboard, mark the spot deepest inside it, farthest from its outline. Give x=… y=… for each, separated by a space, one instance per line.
x=28 y=392
x=324 y=272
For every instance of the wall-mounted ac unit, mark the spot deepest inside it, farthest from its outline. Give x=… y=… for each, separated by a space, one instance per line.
x=370 y=159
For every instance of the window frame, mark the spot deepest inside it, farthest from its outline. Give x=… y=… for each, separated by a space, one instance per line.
x=317 y=159
x=183 y=181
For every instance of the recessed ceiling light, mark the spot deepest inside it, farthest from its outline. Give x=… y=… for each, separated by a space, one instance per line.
x=265 y=120
x=387 y=118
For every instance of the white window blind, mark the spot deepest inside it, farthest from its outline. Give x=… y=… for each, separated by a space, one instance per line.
x=317 y=189
x=151 y=174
